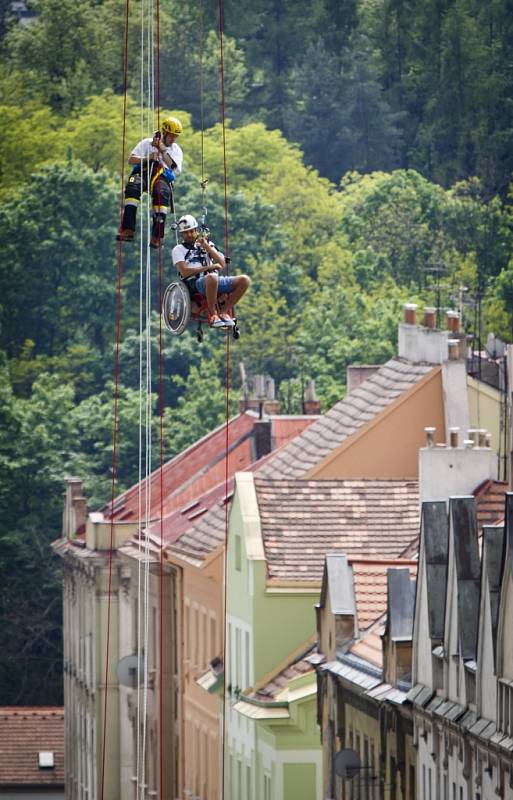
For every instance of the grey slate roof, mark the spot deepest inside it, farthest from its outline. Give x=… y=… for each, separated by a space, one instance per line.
x=493 y=541
x=463 y=532
x=364 y=403
x=435 y=540
x=338 y=581
x=401 y=604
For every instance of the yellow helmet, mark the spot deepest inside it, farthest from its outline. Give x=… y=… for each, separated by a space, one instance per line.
x=171 y=125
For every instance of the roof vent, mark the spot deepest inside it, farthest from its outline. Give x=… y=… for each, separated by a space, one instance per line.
x=46 y=759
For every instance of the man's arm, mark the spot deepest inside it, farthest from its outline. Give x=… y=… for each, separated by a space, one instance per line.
x=188 y=270
x=212 y=253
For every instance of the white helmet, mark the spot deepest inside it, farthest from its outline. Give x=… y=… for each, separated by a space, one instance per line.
x=187 y=223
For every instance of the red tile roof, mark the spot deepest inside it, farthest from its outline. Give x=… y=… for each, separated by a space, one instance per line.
x=490 y=499
x=362 y=405
x=370 y=585
x=370 y=646
x=303 y=520
x=202 y=466
x=24 y=733
x=192 y=472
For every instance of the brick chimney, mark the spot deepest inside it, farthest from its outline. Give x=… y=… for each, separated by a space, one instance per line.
x=75 y=508
x=262 y=398
x=311 y=405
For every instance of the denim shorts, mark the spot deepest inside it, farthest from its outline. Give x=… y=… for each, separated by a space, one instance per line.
x=225 y=285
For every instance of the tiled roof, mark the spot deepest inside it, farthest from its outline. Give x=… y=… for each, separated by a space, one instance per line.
x=202 y=537
x=490 y=502
x=364 y=403
x=202 y=466
x=24 y=733
x=192 y=472
x=370 y=647
x=370 y=585
x=279 y=681
x=303 y=520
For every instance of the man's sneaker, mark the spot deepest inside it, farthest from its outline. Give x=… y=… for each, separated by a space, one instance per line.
x=155 y=242
x=227 y=320
x=216 y=322
x=126 y=235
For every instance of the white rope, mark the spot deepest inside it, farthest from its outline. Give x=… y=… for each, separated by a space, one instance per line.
x=147 y=101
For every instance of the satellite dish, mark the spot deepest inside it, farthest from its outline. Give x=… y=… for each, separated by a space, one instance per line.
x=128 y=672
x=347 y=763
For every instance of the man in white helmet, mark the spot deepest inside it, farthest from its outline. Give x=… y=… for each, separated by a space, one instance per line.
x=156 y=162
x=198 y=261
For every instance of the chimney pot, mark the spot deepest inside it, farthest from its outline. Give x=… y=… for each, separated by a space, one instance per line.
x=453 y=321
x=410 y=313
x=311 y=405
x=481 y=437
x=430 y=436
x=430 y=317
x=454 y=349
x=472 y=435
x=488 y=438
x=454 y=436
x=468 y=444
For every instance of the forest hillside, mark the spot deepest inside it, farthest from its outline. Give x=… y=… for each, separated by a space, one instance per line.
x=369 y=163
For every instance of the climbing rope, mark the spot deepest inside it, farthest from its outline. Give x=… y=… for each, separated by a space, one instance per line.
x=116 y=393
x=227 y=401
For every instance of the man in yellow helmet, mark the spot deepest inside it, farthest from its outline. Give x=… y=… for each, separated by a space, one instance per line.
x=156 y=162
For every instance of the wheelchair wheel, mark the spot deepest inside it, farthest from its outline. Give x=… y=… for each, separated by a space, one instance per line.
x=176 y=308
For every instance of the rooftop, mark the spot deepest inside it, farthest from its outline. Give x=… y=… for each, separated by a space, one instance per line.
x=201 y=466
x=490 y=498
x=25 y=732
x=364 y=403
x=370 y=584
x=303 y=520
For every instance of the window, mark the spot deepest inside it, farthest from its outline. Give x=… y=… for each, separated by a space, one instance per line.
x=237 y=677
x=267 y=787
x=248 y=783
x=238 y=553
x=213 y=642
x=204 y=648
x=246 y=656
x=411 y=782
x=187 y=632
x=366 y=768
x=393 y=779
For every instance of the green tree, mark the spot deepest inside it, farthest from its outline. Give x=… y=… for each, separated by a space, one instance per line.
x=59 y=259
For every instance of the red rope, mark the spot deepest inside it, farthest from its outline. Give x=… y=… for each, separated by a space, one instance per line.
x=161 y=453
x=116 y=399
x=227 y=401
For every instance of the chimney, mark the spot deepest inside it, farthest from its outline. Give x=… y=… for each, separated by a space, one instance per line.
x=430 y=317
x=262 y=438
x=454 y=434
x=410 y=313
x=421 y=344
x=263 y=397
x=75 y=508
x=456 y=470
x=357 y=374
x=454 y=349
x=453 y=321
x=311 y=405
